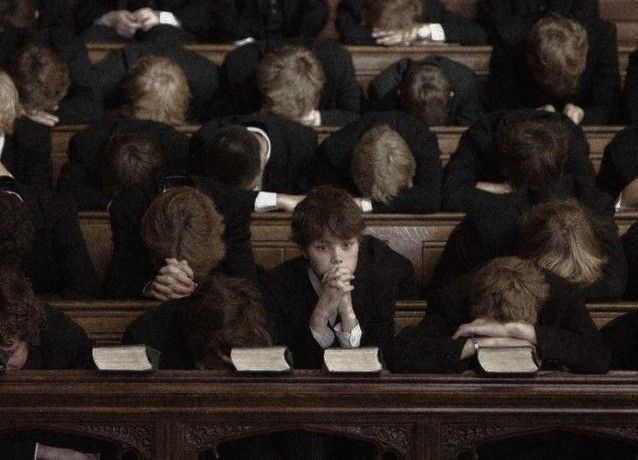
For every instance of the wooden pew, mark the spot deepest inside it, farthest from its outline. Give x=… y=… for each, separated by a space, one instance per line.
x=419 y=238
x=448 y=136
x=178 y=414
x=106 y=320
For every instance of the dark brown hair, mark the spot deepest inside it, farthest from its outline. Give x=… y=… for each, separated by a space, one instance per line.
x=533 y=149
x=41 y=77
x=17 y=231
x=21 y=313
x=557 y=54
x=233 y=156
x=183 y=223
x=130 y=158
x=560 y=236
x=426 y=93
x=391 y=14
x=290 y=80
x=382 y=164
x=326 y=208
x=18 y=14
x=222 y=313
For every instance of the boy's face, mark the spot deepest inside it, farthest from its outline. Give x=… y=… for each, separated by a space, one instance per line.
x=19 y=353
x=328 y=252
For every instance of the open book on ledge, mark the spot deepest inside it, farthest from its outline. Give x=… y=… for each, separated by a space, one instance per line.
x=261 y=359
x=504 y=361
x=126 y=358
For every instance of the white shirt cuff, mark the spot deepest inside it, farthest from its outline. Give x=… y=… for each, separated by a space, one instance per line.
x=621 y=208
x=437 y=33
x=350 y=339
x=266 y=201
x=366 y=205
x=244 y=41
x=168 y=18
x=101 y=21
x=324 y=338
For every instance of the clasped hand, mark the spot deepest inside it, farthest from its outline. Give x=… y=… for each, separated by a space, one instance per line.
x=490 y=333
x=335 y=298
x=173 y=281
x=127 y=23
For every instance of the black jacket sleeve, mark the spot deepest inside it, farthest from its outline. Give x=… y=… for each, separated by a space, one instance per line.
x=621 y=336
x=32 y=144
x=631 y=89
x=620 y=163
x=457 y=28
x=348 y=23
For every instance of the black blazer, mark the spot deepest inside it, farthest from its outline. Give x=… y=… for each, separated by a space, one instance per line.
x=382 y=276
x=292 y=150
x=509 y=21
x=511 y=85
x=476 y=159
x=566 y=335
x=630 y=244
x=457 y=28
x=200 y=72
x=238 y=19
x=59 y=263
x=631 y=89
x=491 y=230
x=131 y=267
x=341 y=98
x=80 y=177
x=333 y=161
x=194 y=15
x=465 y=107
x=27 y=153
x=621 y=336
x=620 y=162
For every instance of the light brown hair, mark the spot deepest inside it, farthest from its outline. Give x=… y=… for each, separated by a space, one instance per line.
x=560 y=236
x=9 y=103
x=382 y=164
x=508 y=289
x=426 y=93
x=326 y=208
x=156 y=89
x=183 y=223
x=21 y=313
x=222 y=313
x=41 y=77
x=557 y=54
x=290 y=80
x=391 y=14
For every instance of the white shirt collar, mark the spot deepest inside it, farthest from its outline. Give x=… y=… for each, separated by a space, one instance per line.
x=2 y=138
x=316 y=283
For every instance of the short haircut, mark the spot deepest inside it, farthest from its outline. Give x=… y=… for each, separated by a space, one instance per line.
x=382 y=164
x=232 y=156
x=425 y=92
x=130 y=158
x=222 y=313
x=533 y=149
x=9 y=103
x=156 y=88
x=182 y=223
x=21 y=313
x=391 y=14
x=326 y=208
x=18 y=14
x=290 y=80
x=41 y=77
x=17 y=231
x=508 y=289
x=557 y=54
x=560 y=236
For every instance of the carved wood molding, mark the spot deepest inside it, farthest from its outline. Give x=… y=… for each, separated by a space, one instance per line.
x=139 y=437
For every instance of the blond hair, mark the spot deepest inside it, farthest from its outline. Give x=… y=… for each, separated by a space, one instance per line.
x=560 y=236
x=157 y=89
x=9 y=103
x=290 y=80
x=382 y=164
x=391 y=14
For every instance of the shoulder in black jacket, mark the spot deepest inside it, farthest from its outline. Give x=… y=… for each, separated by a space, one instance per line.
x=457 y=28
x=465 y=107
x=131 y=267
x=292 y=152
x=476 y=159
x=341 y=99
x=631 y=89
x=382 y=276
x=238 y=19
x=620 y=162
x=511 y=85
x=333 y=161
x=630 y=245
x=27 y=153
x=566 y=335
x=621 y=336
x=80 y=175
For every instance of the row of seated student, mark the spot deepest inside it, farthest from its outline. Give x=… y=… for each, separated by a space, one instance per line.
x=341 y=292
x=560 y=63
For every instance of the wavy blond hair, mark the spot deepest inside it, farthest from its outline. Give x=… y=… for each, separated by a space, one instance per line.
x=9 y=103
x=391 y=14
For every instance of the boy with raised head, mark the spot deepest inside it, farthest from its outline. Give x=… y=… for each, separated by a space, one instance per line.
x=342 y=289
x=404 y=23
